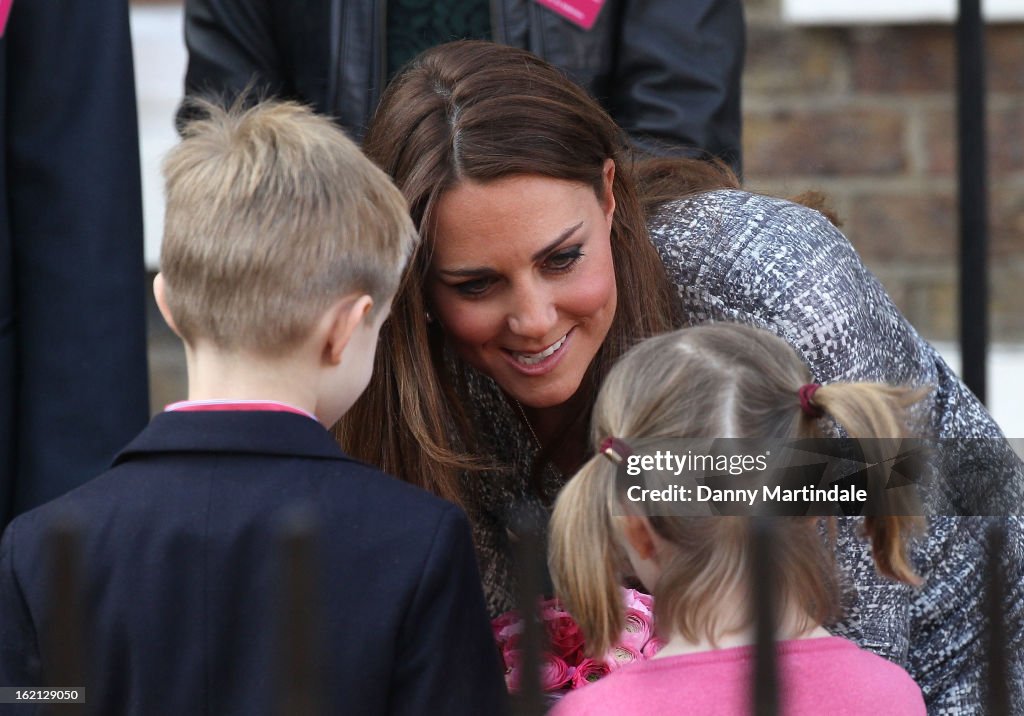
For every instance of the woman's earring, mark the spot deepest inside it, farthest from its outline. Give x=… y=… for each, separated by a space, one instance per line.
x=430 y=317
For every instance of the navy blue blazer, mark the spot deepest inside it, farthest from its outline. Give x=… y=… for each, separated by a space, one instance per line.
x=181 y=578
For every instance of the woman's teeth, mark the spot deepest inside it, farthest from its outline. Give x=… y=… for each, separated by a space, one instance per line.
x=534 y=358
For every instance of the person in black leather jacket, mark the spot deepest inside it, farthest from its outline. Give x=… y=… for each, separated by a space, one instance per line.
x=668 y=71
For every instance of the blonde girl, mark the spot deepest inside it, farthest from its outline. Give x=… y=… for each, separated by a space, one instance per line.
x=721 y=380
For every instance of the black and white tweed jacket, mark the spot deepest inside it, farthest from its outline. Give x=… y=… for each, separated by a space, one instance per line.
x=766 y=262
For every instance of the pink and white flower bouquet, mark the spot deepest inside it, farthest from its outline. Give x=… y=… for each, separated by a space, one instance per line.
x=564 y=667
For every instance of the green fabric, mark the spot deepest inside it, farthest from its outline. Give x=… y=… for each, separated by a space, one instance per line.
x=415 y=25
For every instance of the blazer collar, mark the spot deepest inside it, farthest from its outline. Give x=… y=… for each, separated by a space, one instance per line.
x=234 y=431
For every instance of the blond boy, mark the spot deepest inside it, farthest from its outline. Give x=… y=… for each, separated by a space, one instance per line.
x=282 y=249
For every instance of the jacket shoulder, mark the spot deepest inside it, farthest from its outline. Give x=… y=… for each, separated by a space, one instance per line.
x=738 y=220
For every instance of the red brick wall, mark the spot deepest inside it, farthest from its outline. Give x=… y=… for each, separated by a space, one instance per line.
x=867 y=115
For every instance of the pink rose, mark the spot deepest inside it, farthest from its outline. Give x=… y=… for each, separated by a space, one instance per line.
x=508 y=637
x=637 y=631
x=588 y=671
x=652 y=647
x=639 y=601
x=552 y=603
x=620 y=655
x=501 y=624
x=510 y=654
x=565 y=635
x=512 y=672
x=554 y=672
x=507 y=630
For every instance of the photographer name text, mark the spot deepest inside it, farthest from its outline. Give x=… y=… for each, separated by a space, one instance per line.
x=749 y=496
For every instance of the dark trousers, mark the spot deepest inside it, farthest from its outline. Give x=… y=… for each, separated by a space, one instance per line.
x=73 y=378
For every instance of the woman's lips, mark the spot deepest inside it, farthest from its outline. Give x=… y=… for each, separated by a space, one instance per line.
x=541 y=362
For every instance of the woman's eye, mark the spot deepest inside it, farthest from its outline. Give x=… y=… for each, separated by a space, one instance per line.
x=564 y=260
x=476 y=287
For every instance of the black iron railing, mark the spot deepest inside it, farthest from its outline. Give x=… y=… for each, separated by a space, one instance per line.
x=973 y=194
x=301 y=680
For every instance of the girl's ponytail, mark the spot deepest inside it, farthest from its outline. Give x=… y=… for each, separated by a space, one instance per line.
x=583 y=554
x=873 y=410
x=888 y=536
x=868 y=410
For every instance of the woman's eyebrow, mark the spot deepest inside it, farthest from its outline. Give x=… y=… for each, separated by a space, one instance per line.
x=483 y=270
x=464 y=272
x=554 y=244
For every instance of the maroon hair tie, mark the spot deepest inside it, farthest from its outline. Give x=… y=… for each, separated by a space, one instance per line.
x=806 y=394
x=615 y=450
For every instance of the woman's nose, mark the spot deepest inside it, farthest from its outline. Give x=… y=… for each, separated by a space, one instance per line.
x=533 y=314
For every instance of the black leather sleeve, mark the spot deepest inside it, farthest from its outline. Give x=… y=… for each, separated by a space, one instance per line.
x=676 y=78
x=231 y=48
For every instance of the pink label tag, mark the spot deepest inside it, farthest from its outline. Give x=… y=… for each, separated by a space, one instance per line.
x=5 y=12
x=581 y=12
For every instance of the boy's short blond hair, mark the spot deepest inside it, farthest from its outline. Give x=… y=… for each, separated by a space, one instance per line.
x=272 y=214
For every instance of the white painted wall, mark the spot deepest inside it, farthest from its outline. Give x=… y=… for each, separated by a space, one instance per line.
x=874 y=12
x=1005 y=386
x=159 y=52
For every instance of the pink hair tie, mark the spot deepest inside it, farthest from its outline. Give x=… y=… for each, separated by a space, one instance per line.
x=806 y=394
x=615 y=450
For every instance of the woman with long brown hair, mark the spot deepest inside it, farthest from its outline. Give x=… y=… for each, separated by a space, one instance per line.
x=548 y=252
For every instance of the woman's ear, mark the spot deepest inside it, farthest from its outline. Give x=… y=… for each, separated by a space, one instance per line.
x=608 y=198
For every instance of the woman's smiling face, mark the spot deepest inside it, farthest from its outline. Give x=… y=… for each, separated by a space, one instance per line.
x=522 y=280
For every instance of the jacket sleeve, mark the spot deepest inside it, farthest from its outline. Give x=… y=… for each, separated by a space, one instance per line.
x=231 y=48
x=949 y=638
x=676 y=78
x=784 y=267
x=827 y=304
x=823 y=300
x=448 y=661
x=19 y=652
x=1013 y=609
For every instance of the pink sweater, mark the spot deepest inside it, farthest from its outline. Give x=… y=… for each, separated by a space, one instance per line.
x=818 y=676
